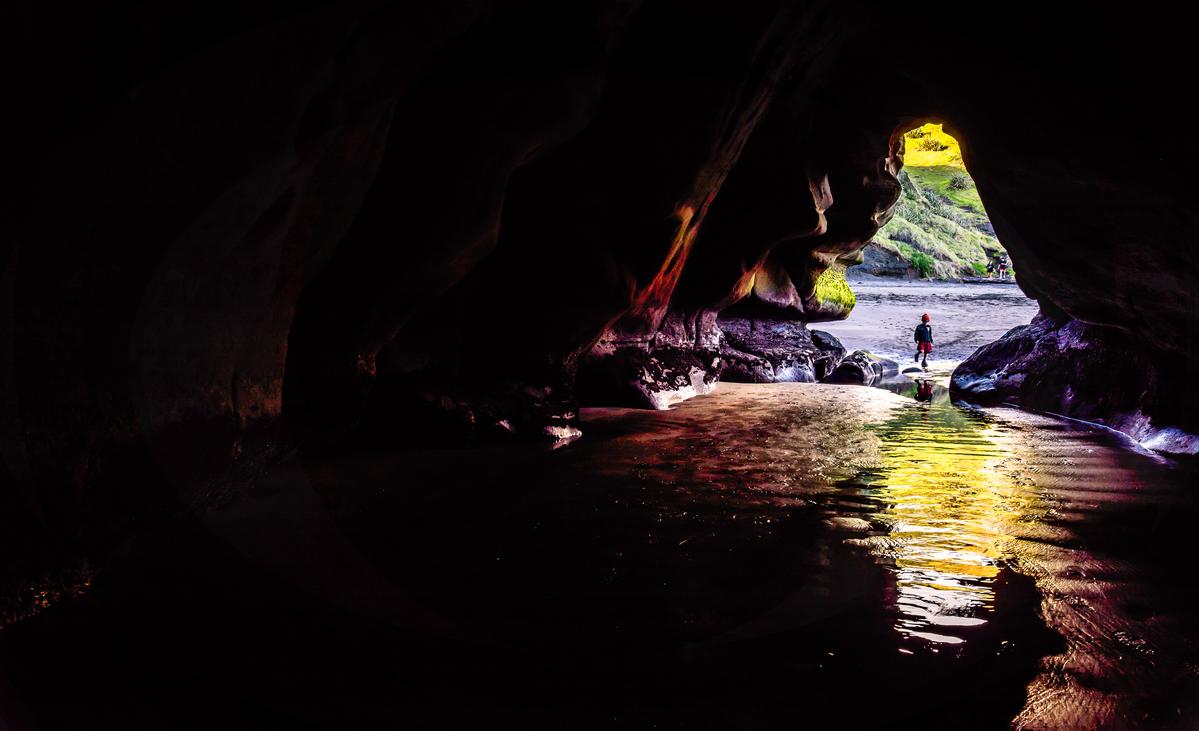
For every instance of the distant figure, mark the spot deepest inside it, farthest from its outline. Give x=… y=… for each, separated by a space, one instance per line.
x=1003 y=268
x=990 y=269
x=924 y=390
x=924 y=339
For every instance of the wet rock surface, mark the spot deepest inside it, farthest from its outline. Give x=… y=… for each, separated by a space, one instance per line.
x=770 y=351
x=863 y=368
x=643 y=378
x=747 y=351
x=1066 y=367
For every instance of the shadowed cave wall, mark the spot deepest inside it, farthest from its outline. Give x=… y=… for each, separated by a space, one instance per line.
x=235 y=231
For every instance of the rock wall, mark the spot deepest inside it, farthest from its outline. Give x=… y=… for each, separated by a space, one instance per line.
x=231 y=228
x=179 y=179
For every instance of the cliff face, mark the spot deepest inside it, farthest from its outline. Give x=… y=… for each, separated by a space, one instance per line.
x=232 y=227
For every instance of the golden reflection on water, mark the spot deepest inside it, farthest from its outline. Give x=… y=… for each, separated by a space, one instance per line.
x=950 y=509
x=942 y=497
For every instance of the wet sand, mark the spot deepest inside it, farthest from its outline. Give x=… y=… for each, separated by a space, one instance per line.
x=766 y=556
x=965 y=317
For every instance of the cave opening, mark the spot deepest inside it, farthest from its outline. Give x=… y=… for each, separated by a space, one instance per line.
x=939 y=227
x=936 y=254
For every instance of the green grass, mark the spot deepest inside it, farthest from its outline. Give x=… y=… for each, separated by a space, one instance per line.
x=923 y=264
x=940 y=226
x=938 y=180
x=831 y=288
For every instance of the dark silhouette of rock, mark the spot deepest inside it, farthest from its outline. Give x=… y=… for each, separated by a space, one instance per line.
x=769 y=351
x=1066 y=367
x=646 y=378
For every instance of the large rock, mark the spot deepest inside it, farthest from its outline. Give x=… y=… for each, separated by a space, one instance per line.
x=862 y=368
x=1066 y=367
x=648 y=378
x=877 y=261
x=769 y=351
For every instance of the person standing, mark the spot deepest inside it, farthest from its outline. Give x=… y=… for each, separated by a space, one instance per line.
x=924 y=339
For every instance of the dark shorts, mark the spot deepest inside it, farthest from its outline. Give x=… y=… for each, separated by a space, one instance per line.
x=924 y=347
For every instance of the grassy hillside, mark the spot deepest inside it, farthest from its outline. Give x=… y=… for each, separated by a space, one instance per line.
x=931 y=146
x=940 y=227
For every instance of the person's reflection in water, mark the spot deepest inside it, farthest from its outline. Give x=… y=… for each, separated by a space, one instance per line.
x=924 y=390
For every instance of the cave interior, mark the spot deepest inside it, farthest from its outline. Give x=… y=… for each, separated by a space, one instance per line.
x=253 y=242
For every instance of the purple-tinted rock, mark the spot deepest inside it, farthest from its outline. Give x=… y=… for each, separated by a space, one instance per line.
x=1063 y=366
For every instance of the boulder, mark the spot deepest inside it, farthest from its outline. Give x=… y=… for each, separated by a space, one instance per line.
x=877 y=261
x=644 y=378
x=742 y=367
x=1063 y=366
x=863 y=368
x=771 y=351
x=829 y=344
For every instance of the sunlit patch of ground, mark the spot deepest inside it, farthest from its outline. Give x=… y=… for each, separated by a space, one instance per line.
x=964 y=318
x=929 y=145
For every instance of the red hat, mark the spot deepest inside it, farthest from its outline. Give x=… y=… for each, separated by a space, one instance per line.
x=925 y=317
